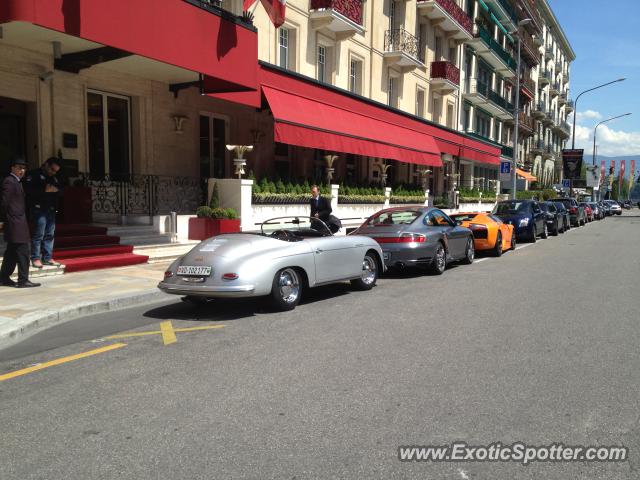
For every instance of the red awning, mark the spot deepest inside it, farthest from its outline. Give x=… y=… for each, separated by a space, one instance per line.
x=309 y=114
x=311 y=123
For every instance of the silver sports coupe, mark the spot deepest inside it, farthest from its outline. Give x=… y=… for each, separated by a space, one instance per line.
x=288 y=255
x=420 y=237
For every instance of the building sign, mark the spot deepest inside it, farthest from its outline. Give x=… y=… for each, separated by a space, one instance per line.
x=505 y=172
x=593 y=176
x=572 y=163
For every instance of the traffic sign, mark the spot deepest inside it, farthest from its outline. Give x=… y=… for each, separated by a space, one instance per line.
x=566 y=183
x=505 y=171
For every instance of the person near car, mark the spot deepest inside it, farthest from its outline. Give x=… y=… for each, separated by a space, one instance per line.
x=321 y=209
x=42 y=187
x=16 y=228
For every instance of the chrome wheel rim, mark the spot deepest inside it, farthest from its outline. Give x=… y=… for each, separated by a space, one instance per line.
x=369 y=269
x=470 y=250
x=546 y=231
x=440 y=260
x=289 y=285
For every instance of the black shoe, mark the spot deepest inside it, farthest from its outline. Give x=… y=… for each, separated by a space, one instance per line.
x=8 y=283
x=27 y=284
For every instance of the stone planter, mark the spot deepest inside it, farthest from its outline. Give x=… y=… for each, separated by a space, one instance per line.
x=203 y=228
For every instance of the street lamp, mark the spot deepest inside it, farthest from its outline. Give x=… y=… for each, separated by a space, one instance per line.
x=575 y=108
x=595 y=131
x=516 y=109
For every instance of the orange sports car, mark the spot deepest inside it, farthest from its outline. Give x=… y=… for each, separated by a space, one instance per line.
x=489 y=232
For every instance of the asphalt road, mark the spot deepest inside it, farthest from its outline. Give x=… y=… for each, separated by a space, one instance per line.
x=540 y=346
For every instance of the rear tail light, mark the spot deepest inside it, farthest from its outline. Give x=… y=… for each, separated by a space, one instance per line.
x=168 y=274
x=403 y=238
x=230 y=276
x=479 y=231
x=573 y=210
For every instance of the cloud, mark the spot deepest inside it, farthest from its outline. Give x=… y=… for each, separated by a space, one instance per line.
x=588 y=115
x=611 y=143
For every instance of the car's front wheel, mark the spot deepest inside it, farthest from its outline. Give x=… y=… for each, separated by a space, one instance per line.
x=286 y=289
x=497 y=249
x=469 y=252
x=369 y=275
x=556 y=229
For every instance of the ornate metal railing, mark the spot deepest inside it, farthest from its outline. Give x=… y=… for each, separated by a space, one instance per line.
x=457 y=13
x=400 y=40
x=527 y=84
x=507 y=151
x=445 y=70
x=127 y=194
x=484 y=34
x=352 y=9
x=525 y=121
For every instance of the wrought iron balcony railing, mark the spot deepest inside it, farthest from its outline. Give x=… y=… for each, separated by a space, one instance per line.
x=445 y=70
x=507 y=151
x=457 y=13
x=400 y=40
x=499 y=100
x=525 y=121
x=352 y=9
x=569 y=105
x=492 y=43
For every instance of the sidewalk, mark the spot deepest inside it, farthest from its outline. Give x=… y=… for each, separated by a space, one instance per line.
x=24 y=312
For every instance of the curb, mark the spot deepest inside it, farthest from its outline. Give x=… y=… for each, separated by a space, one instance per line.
x=19 y=329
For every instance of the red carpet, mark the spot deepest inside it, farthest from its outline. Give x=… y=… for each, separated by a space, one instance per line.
x=85 y=247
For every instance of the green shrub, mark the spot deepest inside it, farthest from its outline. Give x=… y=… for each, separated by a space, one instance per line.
x=203 y=211
x=279 y=187
x=231 y=214
x=218 y=213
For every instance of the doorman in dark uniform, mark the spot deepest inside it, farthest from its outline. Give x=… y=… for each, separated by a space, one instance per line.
x=42 y=187
x=16 y=228
x=321 y=209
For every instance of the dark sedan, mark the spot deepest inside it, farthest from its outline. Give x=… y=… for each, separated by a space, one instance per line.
x=526 y=216
x=563 y=213
x=576 y=212
x=419 y=236
x=555 y=222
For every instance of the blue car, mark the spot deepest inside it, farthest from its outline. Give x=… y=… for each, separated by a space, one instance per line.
x=526 y=216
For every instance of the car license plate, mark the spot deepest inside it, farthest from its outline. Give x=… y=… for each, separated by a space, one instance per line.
x=194 y=271
x=386 y=255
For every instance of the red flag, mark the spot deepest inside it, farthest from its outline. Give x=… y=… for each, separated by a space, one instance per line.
x=622 y=162
x=603 y=166
x=275 y=9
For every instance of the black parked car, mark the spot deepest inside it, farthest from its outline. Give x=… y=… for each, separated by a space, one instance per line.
x=563 y=213
x=555 y=223
x=526 y=216
x=576 y=212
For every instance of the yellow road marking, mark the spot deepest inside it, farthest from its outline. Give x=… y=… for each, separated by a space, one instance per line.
x=168 y=335
x=162 y=332
x=60 y=361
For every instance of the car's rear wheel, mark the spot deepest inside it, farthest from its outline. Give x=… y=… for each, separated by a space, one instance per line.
x=513 y=240
x=286 y=289
x=439 y=262
x=497 y=249
x=534 y=234
x=556 y=230
x=469 y=252
x=369 y=275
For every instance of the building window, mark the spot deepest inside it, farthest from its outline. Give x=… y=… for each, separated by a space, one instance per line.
x=355 y=77
x=214 y=137
x=483 y=124
x=466 y=118
x=109 y=129
x=392 y=91
x=283 y=45
x=420 y=102
x=438 y=49
x=322 y=63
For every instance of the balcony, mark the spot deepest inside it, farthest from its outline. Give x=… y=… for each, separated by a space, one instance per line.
x=528 y=9
x=540 y=110
x=337 y=16
x=527 y=87
x=559 y=66
x=562 y=98
x=449 y=17
x=569 y=106
x=505 y=12
x=538 y=146
x=492 y=52
x=526 y=124
x=544 y=77
x=538 y=41
x=549 y=151
x=401 y=49
x=548 y=118
x=529 y=51
x=479 y=94
x=554 y=89
x=562 y=128
x=548 y=53
x=445 y=77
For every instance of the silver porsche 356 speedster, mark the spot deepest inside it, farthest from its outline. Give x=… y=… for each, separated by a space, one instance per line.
x=288 y=255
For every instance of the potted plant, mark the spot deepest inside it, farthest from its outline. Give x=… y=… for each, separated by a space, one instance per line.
x=212 y=220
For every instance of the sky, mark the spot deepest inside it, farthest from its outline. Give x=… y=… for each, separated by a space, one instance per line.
x=606 y=39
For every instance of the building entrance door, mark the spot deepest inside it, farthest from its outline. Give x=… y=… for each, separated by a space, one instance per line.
x=12 y=132
x=214 y=136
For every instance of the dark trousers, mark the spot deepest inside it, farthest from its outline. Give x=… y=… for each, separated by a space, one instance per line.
x=16 y=254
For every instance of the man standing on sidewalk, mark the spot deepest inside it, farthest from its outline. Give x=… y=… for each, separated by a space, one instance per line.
x=42 y=188
x=16 y=229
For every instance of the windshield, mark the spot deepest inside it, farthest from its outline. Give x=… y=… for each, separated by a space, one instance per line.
x=287 y=228
x=510 y=207
x=464 y=217
x=393 y=217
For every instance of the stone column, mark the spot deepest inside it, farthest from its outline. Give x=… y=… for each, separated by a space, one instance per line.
x=387 y=196
x=334 y=197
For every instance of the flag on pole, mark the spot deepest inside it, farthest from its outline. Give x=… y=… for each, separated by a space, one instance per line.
x=603 y=166
x=612 y=171
x=275 y=9
x=620 y=177
x=632 y=174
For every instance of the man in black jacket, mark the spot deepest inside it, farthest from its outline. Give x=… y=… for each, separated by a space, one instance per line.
x=42 y=188
x=320 y=207
x=16 y=229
